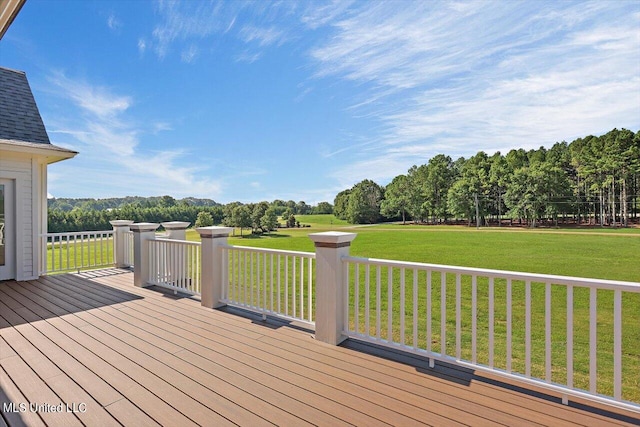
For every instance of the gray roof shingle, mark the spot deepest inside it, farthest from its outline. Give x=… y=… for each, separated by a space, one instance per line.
x=19 y=116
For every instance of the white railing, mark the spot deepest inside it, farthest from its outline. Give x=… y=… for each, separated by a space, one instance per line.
x=128 y=248
x=77 y=251
x=175 y=264
x=562 y=333
x=270 y=281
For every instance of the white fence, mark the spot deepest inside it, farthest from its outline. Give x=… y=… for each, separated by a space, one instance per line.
x=562 y=333
x=65 y=252
x=175 y=264
x=270 y=281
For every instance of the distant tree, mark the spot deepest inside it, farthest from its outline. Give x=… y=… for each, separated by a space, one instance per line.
x=259 y=210
x=397 y=198
x=340 y=204
x=364 y=203
x=269 y=220
x=279 y=206
x=323 y=208
x=517 y=159
x=64 y=206
x=417 y=178
x=537 y=156
x=291 y=221
x=460 y=201
x=286 y=214
x=241 y=217
x=166 y=201
x=302 y=208
x=474 y=186
x=500 y=174
x=532 y=189
x=440 y=177
x=227 y=214
x=204 y=219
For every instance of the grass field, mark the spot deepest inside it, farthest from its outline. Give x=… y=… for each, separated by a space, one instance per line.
x=584 y=253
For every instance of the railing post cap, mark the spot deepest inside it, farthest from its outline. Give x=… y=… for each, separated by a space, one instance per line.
x=144 y=226
x=175 y=225
x=120 y=222
x=332 y=237
x=214 y=231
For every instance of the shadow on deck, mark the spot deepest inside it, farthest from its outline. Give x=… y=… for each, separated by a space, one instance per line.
x=135 y=356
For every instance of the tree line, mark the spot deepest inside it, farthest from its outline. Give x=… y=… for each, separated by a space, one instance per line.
x=68 y=215
x=592 y=180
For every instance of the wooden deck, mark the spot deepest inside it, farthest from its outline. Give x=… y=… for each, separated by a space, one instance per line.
x=116 y=354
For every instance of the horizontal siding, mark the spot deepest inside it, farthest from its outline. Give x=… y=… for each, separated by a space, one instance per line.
x=13 y=164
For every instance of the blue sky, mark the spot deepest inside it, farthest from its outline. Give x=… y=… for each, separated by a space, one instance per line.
x=255 y=101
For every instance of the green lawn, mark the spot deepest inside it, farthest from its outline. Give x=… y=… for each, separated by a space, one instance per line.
x=587 y=253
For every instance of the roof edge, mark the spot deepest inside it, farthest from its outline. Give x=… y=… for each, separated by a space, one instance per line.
x=52 y=153
x=8 y=14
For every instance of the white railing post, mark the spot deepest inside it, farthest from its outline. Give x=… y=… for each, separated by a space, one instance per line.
x=331 y=246
x=213 y=264
x=142 y=232
x=176 y=230
x=120 y=226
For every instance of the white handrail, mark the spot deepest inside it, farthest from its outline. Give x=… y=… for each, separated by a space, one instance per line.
x=269 y=281
x=515 y=275
x=270 y=251
x=503 y=311
x=77 y=251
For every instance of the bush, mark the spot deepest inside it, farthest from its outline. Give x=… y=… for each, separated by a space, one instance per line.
x=204 y=219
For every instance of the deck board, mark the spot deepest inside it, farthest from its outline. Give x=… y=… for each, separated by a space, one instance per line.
x=333 y=388
x=9 y=393
x=157 y=358
x=140 y=356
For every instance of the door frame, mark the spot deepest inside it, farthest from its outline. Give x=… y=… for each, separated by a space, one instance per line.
x=8 y=270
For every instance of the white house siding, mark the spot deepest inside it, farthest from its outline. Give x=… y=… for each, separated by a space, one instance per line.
x=25 y=171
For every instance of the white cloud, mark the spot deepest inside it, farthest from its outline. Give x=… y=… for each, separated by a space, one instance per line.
x=184 y=25
x=319 y=15
x=186 y=21
x=188 y=55
x=248 y=57
x=110 y=141
x=262 y=36
x=233 y=21
x=434 y=77
x=94 y=99
x=459 y=78
x=113 y=22
x=142 y=45
x=161 y=127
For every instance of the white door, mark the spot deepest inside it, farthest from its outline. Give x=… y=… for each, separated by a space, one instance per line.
x=7 y=230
